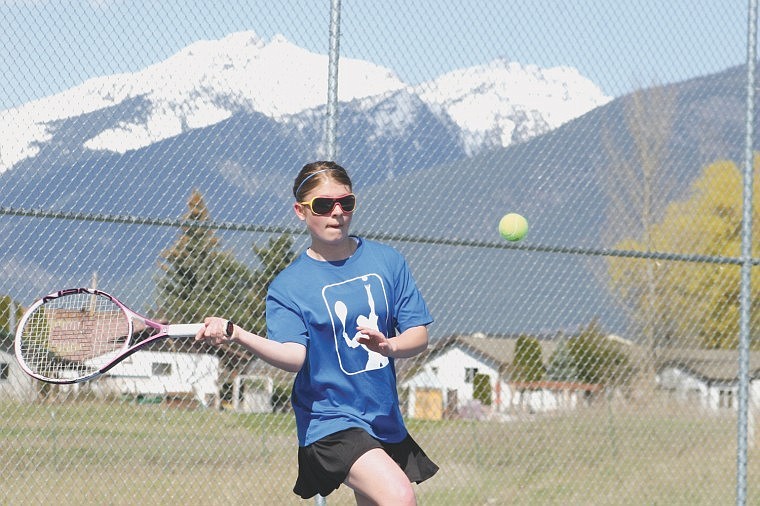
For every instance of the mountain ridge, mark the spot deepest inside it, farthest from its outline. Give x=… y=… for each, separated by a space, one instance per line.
x=210 y=81
x=414 y=174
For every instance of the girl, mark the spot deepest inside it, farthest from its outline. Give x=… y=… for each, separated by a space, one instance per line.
x=338 y=316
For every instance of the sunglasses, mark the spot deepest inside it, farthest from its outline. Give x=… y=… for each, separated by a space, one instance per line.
x=324 y=205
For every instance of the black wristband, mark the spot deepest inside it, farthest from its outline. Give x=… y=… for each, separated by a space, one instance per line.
x=229 y=329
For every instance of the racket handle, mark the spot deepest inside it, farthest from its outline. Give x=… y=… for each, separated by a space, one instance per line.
x=184 y=330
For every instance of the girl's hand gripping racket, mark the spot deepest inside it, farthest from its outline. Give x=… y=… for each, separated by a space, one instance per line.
x=76 y=335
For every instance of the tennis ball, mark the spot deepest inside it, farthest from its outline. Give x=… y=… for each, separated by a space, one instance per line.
x=513 y=227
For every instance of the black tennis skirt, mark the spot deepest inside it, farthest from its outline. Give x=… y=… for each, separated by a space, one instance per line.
x=324 y=464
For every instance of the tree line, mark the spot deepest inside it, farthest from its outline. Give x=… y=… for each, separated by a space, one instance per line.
x=197 y=278
x=675 y=303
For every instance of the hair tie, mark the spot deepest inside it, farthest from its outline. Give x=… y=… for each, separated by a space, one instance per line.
x=309 y=177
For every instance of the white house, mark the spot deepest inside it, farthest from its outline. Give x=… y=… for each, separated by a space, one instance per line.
x=14 y=383
x=252 y=394
x=444 y=384
x=162 y=374
x=261 y=388
x=708 y=378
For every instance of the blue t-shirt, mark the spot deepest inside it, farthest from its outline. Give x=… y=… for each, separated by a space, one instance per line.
x=319 y=304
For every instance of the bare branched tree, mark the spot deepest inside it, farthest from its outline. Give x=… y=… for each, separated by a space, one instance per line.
x=637 y=183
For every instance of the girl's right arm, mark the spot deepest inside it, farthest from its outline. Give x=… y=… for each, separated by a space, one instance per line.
x=287 y=356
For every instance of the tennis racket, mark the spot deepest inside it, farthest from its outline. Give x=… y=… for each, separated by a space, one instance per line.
x=75 y=335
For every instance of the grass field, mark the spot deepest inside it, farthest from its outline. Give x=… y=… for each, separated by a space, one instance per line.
x=121 y=453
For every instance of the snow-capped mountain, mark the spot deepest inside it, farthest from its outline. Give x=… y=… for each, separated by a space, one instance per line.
x=204 y=84
x=503 y=103
x=235 y=118
x=209 y=82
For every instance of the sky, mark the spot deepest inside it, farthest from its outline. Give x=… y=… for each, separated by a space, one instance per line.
x=47 y=46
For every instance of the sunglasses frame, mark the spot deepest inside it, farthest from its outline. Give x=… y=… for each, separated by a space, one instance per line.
x=335 y=202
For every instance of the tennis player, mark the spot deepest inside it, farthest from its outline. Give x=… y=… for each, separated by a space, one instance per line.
x=338 y=316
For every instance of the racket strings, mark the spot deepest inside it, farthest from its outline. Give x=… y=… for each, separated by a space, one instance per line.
x=73 y=335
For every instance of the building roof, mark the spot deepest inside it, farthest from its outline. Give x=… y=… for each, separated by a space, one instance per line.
x=498 y=349
x=708 y=365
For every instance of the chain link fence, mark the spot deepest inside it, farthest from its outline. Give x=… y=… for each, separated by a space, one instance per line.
x=149 y=150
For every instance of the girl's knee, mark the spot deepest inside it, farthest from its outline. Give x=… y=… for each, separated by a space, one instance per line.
x=402 y=494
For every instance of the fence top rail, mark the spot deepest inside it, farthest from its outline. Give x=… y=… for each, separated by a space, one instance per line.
x=403 y=238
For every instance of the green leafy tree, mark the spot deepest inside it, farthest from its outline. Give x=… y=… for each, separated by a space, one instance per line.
x=561 y=365
x=10 y=314
x=528 y=364
x=273 y=258
x=199 y=279
x=596 y=359
x=696 y=304
x=481 y=389
x=277 y=255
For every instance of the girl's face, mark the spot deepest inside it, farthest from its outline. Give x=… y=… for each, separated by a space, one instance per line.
x=331 y=228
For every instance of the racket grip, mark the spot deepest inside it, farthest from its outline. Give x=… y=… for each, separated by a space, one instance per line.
x=184 y=330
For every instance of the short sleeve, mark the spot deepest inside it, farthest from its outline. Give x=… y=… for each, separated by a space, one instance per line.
x=410 y=309
x=284 y=321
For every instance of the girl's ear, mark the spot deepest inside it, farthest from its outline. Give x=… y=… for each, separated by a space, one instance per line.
x=298 y=208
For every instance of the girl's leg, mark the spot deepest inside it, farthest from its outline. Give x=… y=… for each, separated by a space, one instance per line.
x=377 y=480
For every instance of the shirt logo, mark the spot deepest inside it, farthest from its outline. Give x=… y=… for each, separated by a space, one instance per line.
x=360 y=301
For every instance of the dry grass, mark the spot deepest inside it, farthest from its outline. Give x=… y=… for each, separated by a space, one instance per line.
x=121 y=453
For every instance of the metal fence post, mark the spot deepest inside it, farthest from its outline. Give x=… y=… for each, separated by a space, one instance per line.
x=332 y=81
x=746 y=267
x=332 y=108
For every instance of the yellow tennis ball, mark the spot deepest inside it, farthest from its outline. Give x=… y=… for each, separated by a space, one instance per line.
x=513 y=227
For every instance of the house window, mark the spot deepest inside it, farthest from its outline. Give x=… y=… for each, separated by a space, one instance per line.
x=161 y=369
x=4 y=371
x=469 y=374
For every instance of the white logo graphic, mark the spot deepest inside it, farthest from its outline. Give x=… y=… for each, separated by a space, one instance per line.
x=352 y=304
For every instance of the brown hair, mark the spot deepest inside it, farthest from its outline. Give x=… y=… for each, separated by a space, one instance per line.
x=312 y=174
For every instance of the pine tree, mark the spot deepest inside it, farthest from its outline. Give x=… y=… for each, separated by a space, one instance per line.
x=10 y=314
x=189 y=284
x=562 y=367
x=274 y=258
x=528 y=363
x=199 y=279
x=597 y=359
